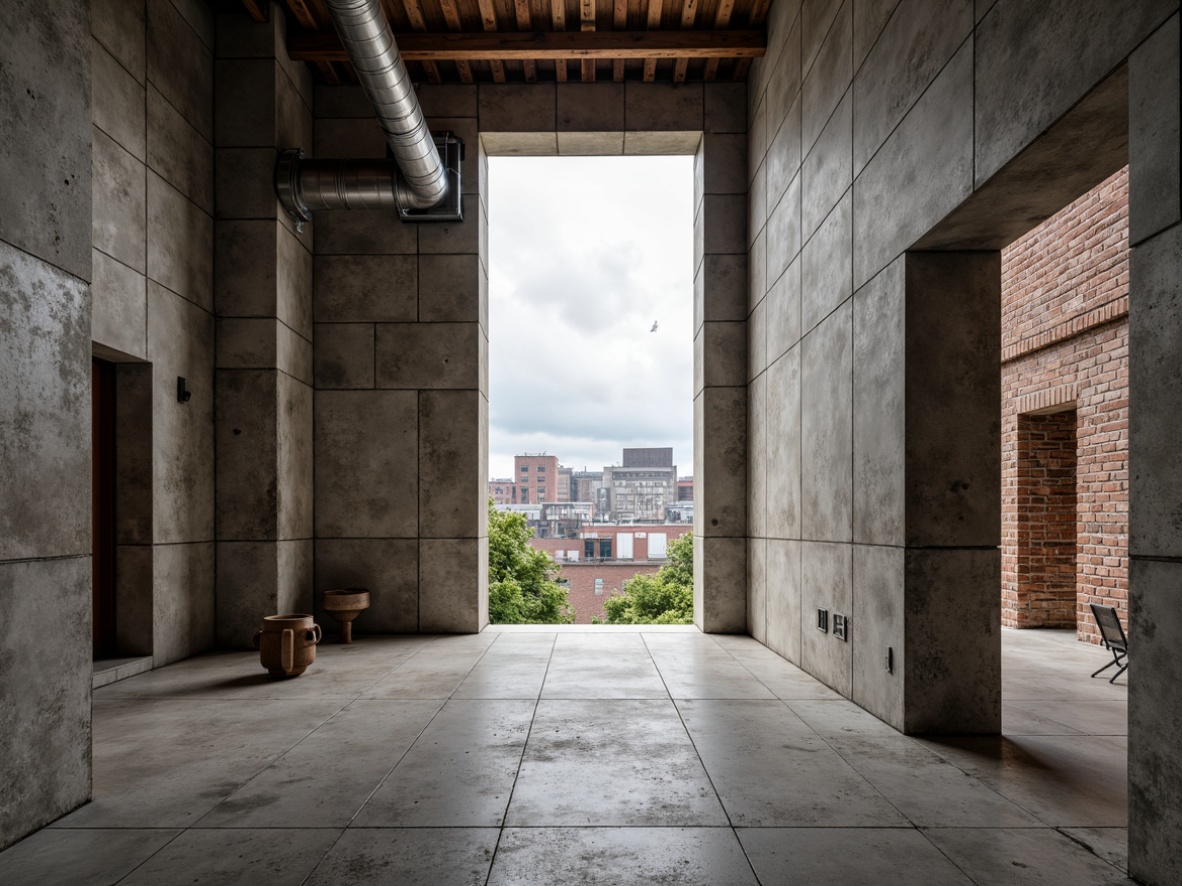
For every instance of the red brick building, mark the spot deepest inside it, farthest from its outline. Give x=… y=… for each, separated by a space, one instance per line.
x=597 y=564
x=503 y=491
x=1065 y=415
x=536 y=477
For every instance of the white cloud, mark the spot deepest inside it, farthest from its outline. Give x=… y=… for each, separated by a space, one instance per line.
x=586 y=253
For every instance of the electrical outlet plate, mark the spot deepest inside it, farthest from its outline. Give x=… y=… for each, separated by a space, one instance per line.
x=823 y=620
x=840 y=626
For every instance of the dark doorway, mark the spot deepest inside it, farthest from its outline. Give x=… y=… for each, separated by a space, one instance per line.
x=103 y=504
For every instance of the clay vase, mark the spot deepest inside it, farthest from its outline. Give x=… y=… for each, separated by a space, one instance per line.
x=345 y=605
x=287 y=644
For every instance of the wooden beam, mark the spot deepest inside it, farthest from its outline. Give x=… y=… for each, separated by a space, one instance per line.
x=587 y=23
x=689 y=12
x=521 y=9
x=619 y=23
x=414 y=15
x=548 y=45
x=451 y=16
x=654 y=24
x=558 y=21
x=257 y=9
x=722 y=18
x=488 y=18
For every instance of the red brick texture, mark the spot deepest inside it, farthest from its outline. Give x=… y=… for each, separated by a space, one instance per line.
x=1065 y=352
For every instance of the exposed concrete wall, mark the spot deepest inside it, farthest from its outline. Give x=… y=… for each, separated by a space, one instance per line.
x=401 y=345
x=263 y=294
x=153 y=310
x=1155 y=476
x=401 y=384
x=45 y=268
x=882 y=128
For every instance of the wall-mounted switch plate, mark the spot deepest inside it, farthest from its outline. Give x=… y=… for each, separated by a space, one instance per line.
x=840 y=626
x=823 y=620
x=890 y=660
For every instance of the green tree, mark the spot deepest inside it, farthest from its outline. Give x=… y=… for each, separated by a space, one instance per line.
x=666 y=598
x=521 y=585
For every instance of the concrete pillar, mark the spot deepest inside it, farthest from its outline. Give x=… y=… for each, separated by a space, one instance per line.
x=264 y=334
x=726 y=329
x=1155 y=471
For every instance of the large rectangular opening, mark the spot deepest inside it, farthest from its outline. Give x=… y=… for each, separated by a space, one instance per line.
x=591 y=374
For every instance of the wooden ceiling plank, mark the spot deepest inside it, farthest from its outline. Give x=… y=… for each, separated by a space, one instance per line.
x=451 y=17
x=414 y=15
x=689 y=13
x=521 y=9
x=722 y=19
x=329 y=72
x=654 y=23
x=558 y=23
x=257 y=9
x=302 y=14
x=587 y=23
x=548 y=45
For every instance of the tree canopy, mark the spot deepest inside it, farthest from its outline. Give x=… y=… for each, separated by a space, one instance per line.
x=521 y=585
x=666 y=598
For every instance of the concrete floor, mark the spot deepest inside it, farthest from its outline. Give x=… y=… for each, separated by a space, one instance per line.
x=584 y=756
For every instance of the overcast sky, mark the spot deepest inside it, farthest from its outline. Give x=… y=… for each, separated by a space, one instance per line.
x=586 y=254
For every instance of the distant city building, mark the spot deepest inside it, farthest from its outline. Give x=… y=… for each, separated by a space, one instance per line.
x=685 y=488
x=536 y=476
x=503 y=491
x=596 y=564
x=565 y=478
x=639 y=490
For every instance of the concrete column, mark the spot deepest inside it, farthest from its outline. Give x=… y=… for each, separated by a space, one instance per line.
x=45 y=544
x=264 y=334
x=724 y=332
x=1155 y=475
x=951 y=502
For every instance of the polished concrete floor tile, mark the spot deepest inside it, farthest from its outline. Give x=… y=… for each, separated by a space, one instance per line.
x=847 y=857
x=236 y=857
x=460 y=771
x=325 y=779
x=165 y=763
x=1010 y=857
x=86 y=857
x=782 y=678
x=408 y=857
x=436 y=671
x=514 y=667
x=602 y=666
x=1066 y=781
x=1110 y=844
x=611 y=763
x=620 y=856
x=340 y=671
x=697 y=667
x=927 y=789
x=519 y=750
x=772 y=770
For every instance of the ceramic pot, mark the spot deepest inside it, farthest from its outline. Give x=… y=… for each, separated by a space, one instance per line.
x=287 y=644
x=345 y=604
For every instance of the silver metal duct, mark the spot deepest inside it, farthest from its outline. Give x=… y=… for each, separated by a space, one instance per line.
x=367 y=38
x=421 y=184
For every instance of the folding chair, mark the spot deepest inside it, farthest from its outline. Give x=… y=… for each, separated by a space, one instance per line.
x=1114 y=638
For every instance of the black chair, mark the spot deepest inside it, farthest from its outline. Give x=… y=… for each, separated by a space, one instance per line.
x=1114 y=638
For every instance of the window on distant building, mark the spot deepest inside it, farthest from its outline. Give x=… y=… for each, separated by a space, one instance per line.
x=589 y=549
x=599 y=585
x=605 y=548
x=525 y=496
x=525 y=469
x=541 y=469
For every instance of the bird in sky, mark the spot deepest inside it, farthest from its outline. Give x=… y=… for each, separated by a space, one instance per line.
x=654 y=329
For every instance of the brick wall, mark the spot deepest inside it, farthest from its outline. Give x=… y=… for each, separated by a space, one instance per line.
x=587 y=604
x=1064 y=345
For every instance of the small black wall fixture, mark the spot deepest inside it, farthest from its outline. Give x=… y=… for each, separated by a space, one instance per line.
x=182 y=393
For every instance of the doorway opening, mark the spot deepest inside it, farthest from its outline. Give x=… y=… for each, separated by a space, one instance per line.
x=591 y=374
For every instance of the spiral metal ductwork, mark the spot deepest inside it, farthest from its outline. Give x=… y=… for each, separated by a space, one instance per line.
x=418 y=178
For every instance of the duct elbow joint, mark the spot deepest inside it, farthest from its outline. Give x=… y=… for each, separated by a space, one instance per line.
x=304 y=186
